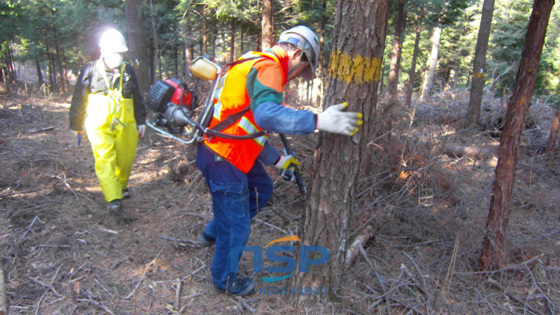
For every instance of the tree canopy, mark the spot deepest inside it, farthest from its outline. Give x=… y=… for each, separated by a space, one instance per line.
x=63 y=34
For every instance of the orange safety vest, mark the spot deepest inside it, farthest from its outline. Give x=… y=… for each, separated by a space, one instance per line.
x=230 y=98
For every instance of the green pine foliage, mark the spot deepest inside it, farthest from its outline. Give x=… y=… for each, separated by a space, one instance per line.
x=548 y=80
x=506 y=41
x=31 y=29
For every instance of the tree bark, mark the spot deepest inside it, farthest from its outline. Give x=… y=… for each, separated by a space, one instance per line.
x=396 y=56
x=59 y=56
x=52 y=71
x=3 y=70
x=353 y=73
x=137 y=48
x=155 y=42
x=267 y=24
x=449 y=80
x=318 y=81
x=12 y=75
x=189 y=54
x=176 y=60
x=213 y=44
x=412 y=72
x=493 y=253
x=204 y=30
x=40 y=79
x=188 y=47
x=479 y=64
x=232 y=41
x=429 y=80
x=241 y=39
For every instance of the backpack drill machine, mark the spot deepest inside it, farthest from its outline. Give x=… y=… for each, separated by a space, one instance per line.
x=177 y=114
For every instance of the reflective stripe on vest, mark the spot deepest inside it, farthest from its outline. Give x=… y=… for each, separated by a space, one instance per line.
x=231 y=100
x=217 y=97
x=250 y=128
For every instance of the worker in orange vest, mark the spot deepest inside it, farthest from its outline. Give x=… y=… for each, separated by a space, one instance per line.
x=248 y=102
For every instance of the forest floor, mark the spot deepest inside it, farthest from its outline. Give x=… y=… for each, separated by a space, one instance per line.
x=426 y=199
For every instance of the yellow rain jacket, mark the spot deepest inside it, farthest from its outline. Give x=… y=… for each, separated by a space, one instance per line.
x=109 y=106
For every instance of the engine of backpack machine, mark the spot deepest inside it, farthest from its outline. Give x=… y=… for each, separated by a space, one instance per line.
x=177 y=115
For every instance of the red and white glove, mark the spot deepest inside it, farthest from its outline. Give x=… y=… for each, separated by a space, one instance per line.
x=141 y=129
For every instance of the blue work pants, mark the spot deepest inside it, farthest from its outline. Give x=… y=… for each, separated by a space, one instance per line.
x=236 y=198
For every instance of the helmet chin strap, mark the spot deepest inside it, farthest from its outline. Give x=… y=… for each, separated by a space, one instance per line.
x=294 y=68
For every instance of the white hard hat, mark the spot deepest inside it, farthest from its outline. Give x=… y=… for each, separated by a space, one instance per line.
x=304 y=38
x=112 y=41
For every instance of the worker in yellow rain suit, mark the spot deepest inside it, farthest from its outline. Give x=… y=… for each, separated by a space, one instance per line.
x=108 y=103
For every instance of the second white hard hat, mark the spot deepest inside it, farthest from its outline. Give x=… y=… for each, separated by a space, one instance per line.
x=112 y=41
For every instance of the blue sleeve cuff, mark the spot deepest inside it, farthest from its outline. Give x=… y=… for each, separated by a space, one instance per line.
x=269 y=154
x=273 y=117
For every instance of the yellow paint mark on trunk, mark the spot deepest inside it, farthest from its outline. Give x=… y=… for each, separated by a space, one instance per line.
x=354 y=69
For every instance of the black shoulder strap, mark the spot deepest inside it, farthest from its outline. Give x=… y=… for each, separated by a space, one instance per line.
x=231 y=119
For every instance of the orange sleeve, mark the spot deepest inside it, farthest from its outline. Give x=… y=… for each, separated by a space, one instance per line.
x=269 y=74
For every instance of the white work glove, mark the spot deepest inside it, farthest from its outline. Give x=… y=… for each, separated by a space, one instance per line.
x=334 y=120
x=285 y=161
x=141 y=129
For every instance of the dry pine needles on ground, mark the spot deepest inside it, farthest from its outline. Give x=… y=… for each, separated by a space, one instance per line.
x=423 y=206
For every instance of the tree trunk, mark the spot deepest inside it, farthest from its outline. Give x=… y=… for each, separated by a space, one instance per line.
x=3 y=70
x=449 y=74
x=52 y=79
x=189 y=55
x=175 y=59
x=267 y=24
x=232 y=41
x=155 y=41
x=11 y=66
x=189 y=42
x=58 y=60
x=429 y=80
x=412 y=72
x=318 y=82
x=204 y=31
x=479 y=64
x=354 y=70
x=396 y=56
x=213 y=45
x=493 y=253
x=65 y=70
x=40 y=79
x=52 y=72
x=241 y=39
x=553 y=135
x=137 y=47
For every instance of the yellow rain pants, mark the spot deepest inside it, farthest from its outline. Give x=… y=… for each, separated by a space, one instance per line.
x=111 y=130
